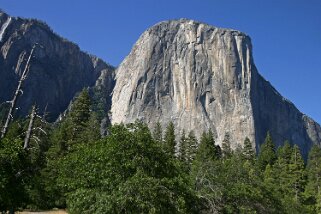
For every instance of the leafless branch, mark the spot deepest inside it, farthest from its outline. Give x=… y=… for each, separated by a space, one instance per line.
x=16 y=94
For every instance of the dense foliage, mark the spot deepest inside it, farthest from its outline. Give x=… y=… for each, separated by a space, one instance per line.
x=127 y=172
x=137 y=170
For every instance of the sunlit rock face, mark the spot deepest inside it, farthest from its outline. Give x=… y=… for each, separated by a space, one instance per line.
x=58 y=68
x=202 y=77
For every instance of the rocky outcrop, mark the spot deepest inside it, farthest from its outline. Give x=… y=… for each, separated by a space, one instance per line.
x=58 y=70
x=202 y=77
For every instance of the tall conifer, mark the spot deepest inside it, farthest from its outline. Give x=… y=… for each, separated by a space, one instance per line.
x=267 y=153
x=169 y=139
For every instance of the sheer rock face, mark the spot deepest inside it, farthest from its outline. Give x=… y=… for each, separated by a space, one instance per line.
x=202 y=77
x=58 y=70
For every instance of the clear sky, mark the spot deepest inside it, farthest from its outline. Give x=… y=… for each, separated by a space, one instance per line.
x=286 y=34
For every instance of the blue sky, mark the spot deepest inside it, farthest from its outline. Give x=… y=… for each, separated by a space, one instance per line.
x=286 y=34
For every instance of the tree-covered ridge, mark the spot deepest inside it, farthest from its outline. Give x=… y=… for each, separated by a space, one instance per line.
x=137 y=170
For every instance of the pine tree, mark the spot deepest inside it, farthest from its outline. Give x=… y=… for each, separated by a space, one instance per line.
x=267 y=153
x=91 y=132
x=169 y=139
x=78 y=125
x=248 y=150
x=226 y=146
x=191 y=147
x=218 y=149
x=80 y=113
x=269 y=177
x=281 y=184
x=284 y=153
x=183 y=147
x=296 y=170
x=158 y=133
x=204 y=173
x=281 y=167
x=313 y=187
x=207 y=149
x=78 y=128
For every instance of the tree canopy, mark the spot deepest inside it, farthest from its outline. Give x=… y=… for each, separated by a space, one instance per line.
x=131 y=170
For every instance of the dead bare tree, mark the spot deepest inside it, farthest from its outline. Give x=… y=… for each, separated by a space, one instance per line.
x=33 y=130
x=16 y=94
x=30 y=127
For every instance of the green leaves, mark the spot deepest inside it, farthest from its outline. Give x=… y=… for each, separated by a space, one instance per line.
x=312 y=192
x=13 y=174
x=286 y=178
x=207 y=149
x=158 y=133
x=169 y=139
x=267 y=153
x=188 y=148
x=126 y=172
x=131 y=171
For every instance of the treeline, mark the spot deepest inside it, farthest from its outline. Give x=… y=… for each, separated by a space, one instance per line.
x=137 y=170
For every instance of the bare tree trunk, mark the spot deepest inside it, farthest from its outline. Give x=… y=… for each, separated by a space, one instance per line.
x=16 y=94
x=28 y=135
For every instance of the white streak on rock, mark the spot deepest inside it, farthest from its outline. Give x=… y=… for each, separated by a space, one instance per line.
x=4 y=27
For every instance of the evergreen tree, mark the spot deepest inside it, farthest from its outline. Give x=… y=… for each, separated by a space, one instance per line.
x=281 y=170
x=284 y=178
x=284 y=153
x=191 y=147
x=267 y=153
x=269 y=176
x=226 y=146
x=248 y=150
x=53 y=196
x=91 y=132
x=79 y=127
x=277 y=184
x=80 y=112
x=296 y=168
x=183 y=147
x=290 y=180
x=313 y=187
x=207 y=149
x=158 y=133
x=230 y=187
x=99 y=101
x=169 y=139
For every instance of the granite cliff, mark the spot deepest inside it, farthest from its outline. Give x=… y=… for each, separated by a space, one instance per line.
x=202 y=77
x=58 y=68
